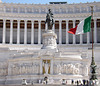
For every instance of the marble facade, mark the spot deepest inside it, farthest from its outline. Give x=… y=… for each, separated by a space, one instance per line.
x=27 y=52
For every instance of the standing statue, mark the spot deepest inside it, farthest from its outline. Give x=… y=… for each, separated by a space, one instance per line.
x=49 y=19
x=46 y=66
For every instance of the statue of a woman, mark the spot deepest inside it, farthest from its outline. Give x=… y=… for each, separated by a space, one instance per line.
x=46 y=66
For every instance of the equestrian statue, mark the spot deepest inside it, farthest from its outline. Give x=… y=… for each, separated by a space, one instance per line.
x=49 y=19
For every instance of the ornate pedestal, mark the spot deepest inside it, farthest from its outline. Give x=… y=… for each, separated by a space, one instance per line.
x=49 y=40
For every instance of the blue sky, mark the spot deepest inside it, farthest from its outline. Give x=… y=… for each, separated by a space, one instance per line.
x=47 y=1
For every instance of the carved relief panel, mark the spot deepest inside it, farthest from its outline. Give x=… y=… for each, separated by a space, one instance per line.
x=3 y=68
x=24 y=68
x=70 y=68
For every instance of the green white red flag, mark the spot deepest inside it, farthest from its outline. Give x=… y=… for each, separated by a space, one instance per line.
x=83 y=27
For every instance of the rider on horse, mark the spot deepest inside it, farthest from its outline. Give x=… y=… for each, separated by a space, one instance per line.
x=49 y=19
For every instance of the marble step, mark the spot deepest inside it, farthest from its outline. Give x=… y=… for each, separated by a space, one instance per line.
x=40 y=85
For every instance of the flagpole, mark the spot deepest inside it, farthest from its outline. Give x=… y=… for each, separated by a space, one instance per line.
x=93 y=62
x=93 y=66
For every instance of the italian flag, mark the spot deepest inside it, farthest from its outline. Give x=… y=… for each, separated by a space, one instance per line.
x=83 y=27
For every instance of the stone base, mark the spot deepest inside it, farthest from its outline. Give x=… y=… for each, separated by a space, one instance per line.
x=49 y=40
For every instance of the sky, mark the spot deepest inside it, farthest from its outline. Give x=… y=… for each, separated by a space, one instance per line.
x=47 y=1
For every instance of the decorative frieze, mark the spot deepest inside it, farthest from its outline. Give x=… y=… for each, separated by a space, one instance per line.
x=70 y=69
x=3 y=69
x=24 y=68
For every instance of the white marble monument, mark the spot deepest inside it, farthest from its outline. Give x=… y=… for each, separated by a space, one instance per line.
x=28 y=49
x=49 y=62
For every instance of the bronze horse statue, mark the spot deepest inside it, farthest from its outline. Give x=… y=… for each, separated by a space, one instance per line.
x=49 y=19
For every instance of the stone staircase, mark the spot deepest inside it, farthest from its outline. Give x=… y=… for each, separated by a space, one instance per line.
x=40 y=85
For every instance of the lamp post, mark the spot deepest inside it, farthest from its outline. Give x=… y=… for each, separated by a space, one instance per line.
x=93 y=75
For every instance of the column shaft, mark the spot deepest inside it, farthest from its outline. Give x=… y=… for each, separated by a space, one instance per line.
x=95 y=31
x=11 y=31
x=25 y=32
x=18 y=31
x=74 y=40
x=39 y=33
x=46 y=27
x=81 y=36
x=32 y=33
x=67 y=35
x=60 y=32
x=88 y=37
x=81 y=39
x=4 y=31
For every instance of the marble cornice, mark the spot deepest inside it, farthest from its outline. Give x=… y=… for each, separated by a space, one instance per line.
x=43 y=16
x=23 y=59
x=49 y=5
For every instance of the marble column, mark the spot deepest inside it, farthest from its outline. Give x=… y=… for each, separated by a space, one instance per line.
x=39 y=33
x=18 y=31
x=60 y=32
x=88 y=37
x=4 y=32
x=46 y=27
x=67 y=35
x=81 y=37
x=25 y=32
x=95 y=31
x=74 y=40
x=11 y=31
x=32 y=32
